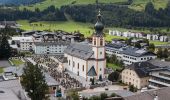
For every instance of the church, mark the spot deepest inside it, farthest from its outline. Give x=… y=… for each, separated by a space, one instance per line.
x=88 y=60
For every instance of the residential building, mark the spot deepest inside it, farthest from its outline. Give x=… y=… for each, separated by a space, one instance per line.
x=160 y=77
x=115 y=48
x=131 y=55
x=53 y=48
x=137 y=74
x=11 y=24
x=24 y=43
x=88 y=61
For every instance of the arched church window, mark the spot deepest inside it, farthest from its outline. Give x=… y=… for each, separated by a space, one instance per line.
x=83 y=68
x=101 y=42
x=78 y=66
x=94 y=41
x=73 y=64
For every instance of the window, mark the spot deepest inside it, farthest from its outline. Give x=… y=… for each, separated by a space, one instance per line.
x=141 y=58
x=54 y=88
x=100 y=53
x=78 y=66
x=69 y=62
x=101 y=42
x=94 y=41
x=83 y=68
x=100 y=69
x=73 y=64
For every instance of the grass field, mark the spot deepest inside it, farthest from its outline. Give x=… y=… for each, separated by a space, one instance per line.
x=17 y=62
x=1 y=69
x=136 y=5
x=71 y=26
x=113 y=66
x=140 y=4
x=59 y=3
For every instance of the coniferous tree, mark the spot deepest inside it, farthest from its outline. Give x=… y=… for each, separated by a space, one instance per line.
x=5 y=50
x=151 y=47
x=165 y=53
x=159 y=53
x=137 y=45
x=34 y=83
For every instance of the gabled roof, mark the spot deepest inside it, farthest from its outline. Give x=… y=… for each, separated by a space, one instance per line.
x=142 y=69
x=80 y=50
x=92 y=72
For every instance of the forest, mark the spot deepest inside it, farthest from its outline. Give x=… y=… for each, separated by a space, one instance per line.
x=113 y=15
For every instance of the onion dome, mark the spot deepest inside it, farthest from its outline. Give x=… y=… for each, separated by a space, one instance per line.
x=99 y=25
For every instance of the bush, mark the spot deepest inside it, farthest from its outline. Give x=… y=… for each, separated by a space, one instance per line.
x=103 y=96
x=114 y=76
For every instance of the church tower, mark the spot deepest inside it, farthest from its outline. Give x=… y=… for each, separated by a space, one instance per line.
x=98 y=43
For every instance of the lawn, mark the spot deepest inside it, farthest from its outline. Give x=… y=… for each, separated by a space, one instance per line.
x=1 y=69
x=140 y=4
x=59 y=3
x=69 y=26
x=17 y=62
x=113 y=66
x=158 y=42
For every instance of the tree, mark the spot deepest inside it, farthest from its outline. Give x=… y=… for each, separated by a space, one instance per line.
x=151 y=47
x=132 y=88
x=137 y=45
x=103 y=96
x=146 y=41
x=159 y=53
x=73 y=95
x=114 y=76
x=129 y=41
x=165 y=53
x=149 y=8
x=5 y=50
x=34 y=82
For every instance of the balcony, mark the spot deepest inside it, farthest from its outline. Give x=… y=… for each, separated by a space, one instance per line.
x=159 y=82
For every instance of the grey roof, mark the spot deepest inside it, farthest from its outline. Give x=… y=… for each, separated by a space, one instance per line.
x=50 y=81
x=92 y=72
x=136 y=52
x=159 y=63
x=116 y=45
x=7 y=94
x=51 y=43
x=163 y=94
x=62 y=59
x=142 y=69
x=80 y=50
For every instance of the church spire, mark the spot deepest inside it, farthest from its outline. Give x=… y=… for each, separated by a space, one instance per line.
x=99 y=25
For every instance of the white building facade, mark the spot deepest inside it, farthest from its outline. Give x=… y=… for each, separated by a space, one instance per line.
x=88 y=61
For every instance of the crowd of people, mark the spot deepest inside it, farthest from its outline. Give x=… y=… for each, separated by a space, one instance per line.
x=50 y=66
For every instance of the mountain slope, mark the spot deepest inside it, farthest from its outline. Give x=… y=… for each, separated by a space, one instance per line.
x=137 y=4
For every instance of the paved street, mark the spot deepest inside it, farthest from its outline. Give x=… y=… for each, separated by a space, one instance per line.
x=4 y=63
